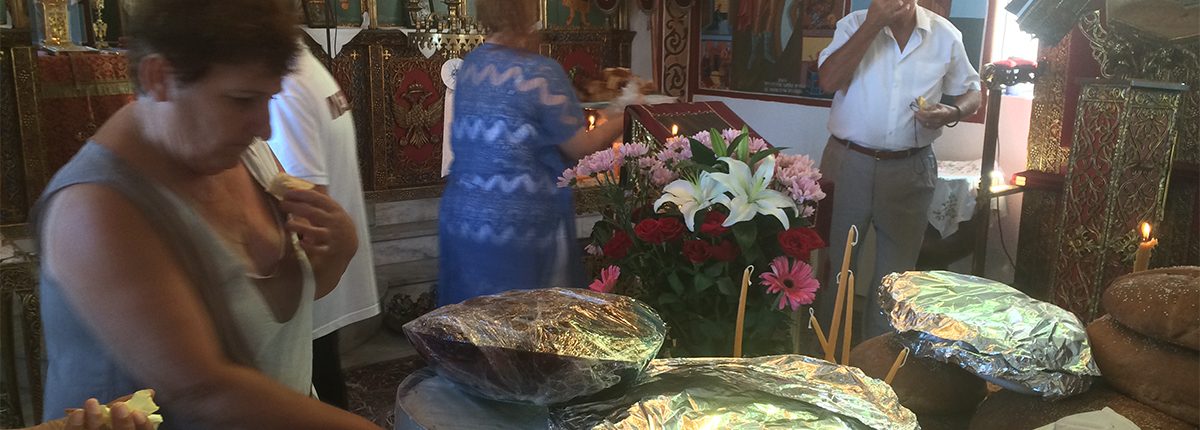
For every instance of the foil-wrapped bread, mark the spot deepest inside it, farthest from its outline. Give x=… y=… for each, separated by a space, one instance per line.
x=543 y=346
x=774 y=392
x=991 y=330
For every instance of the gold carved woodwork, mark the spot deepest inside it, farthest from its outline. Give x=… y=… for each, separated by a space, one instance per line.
x=1117 y=175
x=1046 y=150
x=675 y=23
x=1125 y=53
x=13 y=200
x=25 y=80
x=18 y=292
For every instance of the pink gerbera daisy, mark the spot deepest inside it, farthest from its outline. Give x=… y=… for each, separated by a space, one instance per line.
x=793 y=282
x=607 y=280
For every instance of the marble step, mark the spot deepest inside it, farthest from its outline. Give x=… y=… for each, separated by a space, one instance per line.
x=404 y=211
x=407 y=242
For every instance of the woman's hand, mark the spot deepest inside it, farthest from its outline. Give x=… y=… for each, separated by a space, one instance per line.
x=91 y=417
x=327 y=234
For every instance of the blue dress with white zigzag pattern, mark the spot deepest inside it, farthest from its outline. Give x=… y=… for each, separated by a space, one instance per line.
x=504 y=223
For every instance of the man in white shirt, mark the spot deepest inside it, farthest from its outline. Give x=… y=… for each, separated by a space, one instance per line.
x=889 y=66
x=312 y=134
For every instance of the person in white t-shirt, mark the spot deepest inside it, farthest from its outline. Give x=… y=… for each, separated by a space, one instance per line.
x=312 y=134
x=888 y=66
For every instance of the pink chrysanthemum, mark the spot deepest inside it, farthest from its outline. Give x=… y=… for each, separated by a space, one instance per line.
x=793 y=282
x=567 y=178
x=607 y=280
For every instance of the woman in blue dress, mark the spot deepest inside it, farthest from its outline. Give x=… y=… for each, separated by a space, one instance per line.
x=504 y=223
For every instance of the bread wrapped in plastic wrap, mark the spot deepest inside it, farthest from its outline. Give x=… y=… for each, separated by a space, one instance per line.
x=542 y=346
x=991 y=330
x=774 y=392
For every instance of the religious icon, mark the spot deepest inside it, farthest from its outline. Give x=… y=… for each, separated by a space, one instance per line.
x=577 y=7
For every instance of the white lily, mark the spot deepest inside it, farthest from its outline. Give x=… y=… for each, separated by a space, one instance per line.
x=750 y=193
x=690 y=197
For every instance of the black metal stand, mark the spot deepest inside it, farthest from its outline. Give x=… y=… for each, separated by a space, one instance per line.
x=995 y=76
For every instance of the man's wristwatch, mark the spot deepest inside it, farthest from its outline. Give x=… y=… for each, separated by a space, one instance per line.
x=957 y=115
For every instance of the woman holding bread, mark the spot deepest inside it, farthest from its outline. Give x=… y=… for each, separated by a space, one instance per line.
x=504 y=223
x=165 y=261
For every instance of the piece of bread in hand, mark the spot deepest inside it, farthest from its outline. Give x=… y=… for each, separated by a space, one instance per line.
x=284 y=182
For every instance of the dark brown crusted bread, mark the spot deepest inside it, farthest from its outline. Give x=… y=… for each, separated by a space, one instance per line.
x=1161 y=375
x=1162 y=303
x=1006 y=410
x=923 y=385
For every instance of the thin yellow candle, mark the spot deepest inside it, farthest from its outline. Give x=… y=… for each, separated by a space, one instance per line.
x=896 y=365
x=816 y=326
x=741 y=313
x=849 y=319
x=851 y=240
x=1141 y=258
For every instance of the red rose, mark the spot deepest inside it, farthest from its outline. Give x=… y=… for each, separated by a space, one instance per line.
x=799 y=242
x=671 y=229
x=696 y=251
x=648 y=230
x=724 y=251
x=712 y=224
x=618 y=246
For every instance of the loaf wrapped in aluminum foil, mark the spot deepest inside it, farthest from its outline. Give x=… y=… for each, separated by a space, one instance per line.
x=991 y=330
x=774 y=392
x=542 y=346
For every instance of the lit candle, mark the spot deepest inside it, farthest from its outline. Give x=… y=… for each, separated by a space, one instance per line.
x=674 y=130
x=1141 y=259
x=591 y=122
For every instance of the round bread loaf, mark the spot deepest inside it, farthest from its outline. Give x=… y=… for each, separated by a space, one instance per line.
x=923 y=385
x=1162 y=303
x=1006 y=410
x=945 y=422
x=1158 y=374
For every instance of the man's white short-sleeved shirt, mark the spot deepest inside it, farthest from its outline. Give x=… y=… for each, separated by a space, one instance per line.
x=873 y=110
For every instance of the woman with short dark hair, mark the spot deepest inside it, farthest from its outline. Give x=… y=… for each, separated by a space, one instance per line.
x=166 y=264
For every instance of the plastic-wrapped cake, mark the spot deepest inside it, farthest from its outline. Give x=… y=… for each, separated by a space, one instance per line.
x=539 y=346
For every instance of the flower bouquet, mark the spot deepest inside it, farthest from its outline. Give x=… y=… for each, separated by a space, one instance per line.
x=681 y=222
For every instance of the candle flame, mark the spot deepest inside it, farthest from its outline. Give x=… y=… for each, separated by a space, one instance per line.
x=674 y=129
x=591 y=122
x=1145 y=231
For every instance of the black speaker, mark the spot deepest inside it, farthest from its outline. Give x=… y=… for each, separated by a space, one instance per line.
x=1049 y=20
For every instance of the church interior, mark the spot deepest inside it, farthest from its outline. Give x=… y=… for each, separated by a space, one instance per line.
x=1062 y=230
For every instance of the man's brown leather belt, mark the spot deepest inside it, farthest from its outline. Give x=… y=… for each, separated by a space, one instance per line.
x=877 y=154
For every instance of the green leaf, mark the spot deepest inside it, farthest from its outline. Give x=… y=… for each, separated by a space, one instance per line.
x=743 y=147
x=715 y=270
x=761 y=155
x=746 y=234
x=718 y=143
x=701 y=154
x=667 y=298
x=702 y=283
x=725 y=286
x=676 y=284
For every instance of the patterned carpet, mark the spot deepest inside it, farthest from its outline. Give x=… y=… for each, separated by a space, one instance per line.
x=371 y=389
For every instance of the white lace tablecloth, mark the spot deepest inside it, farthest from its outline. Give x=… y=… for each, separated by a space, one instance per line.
x=954 y=195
